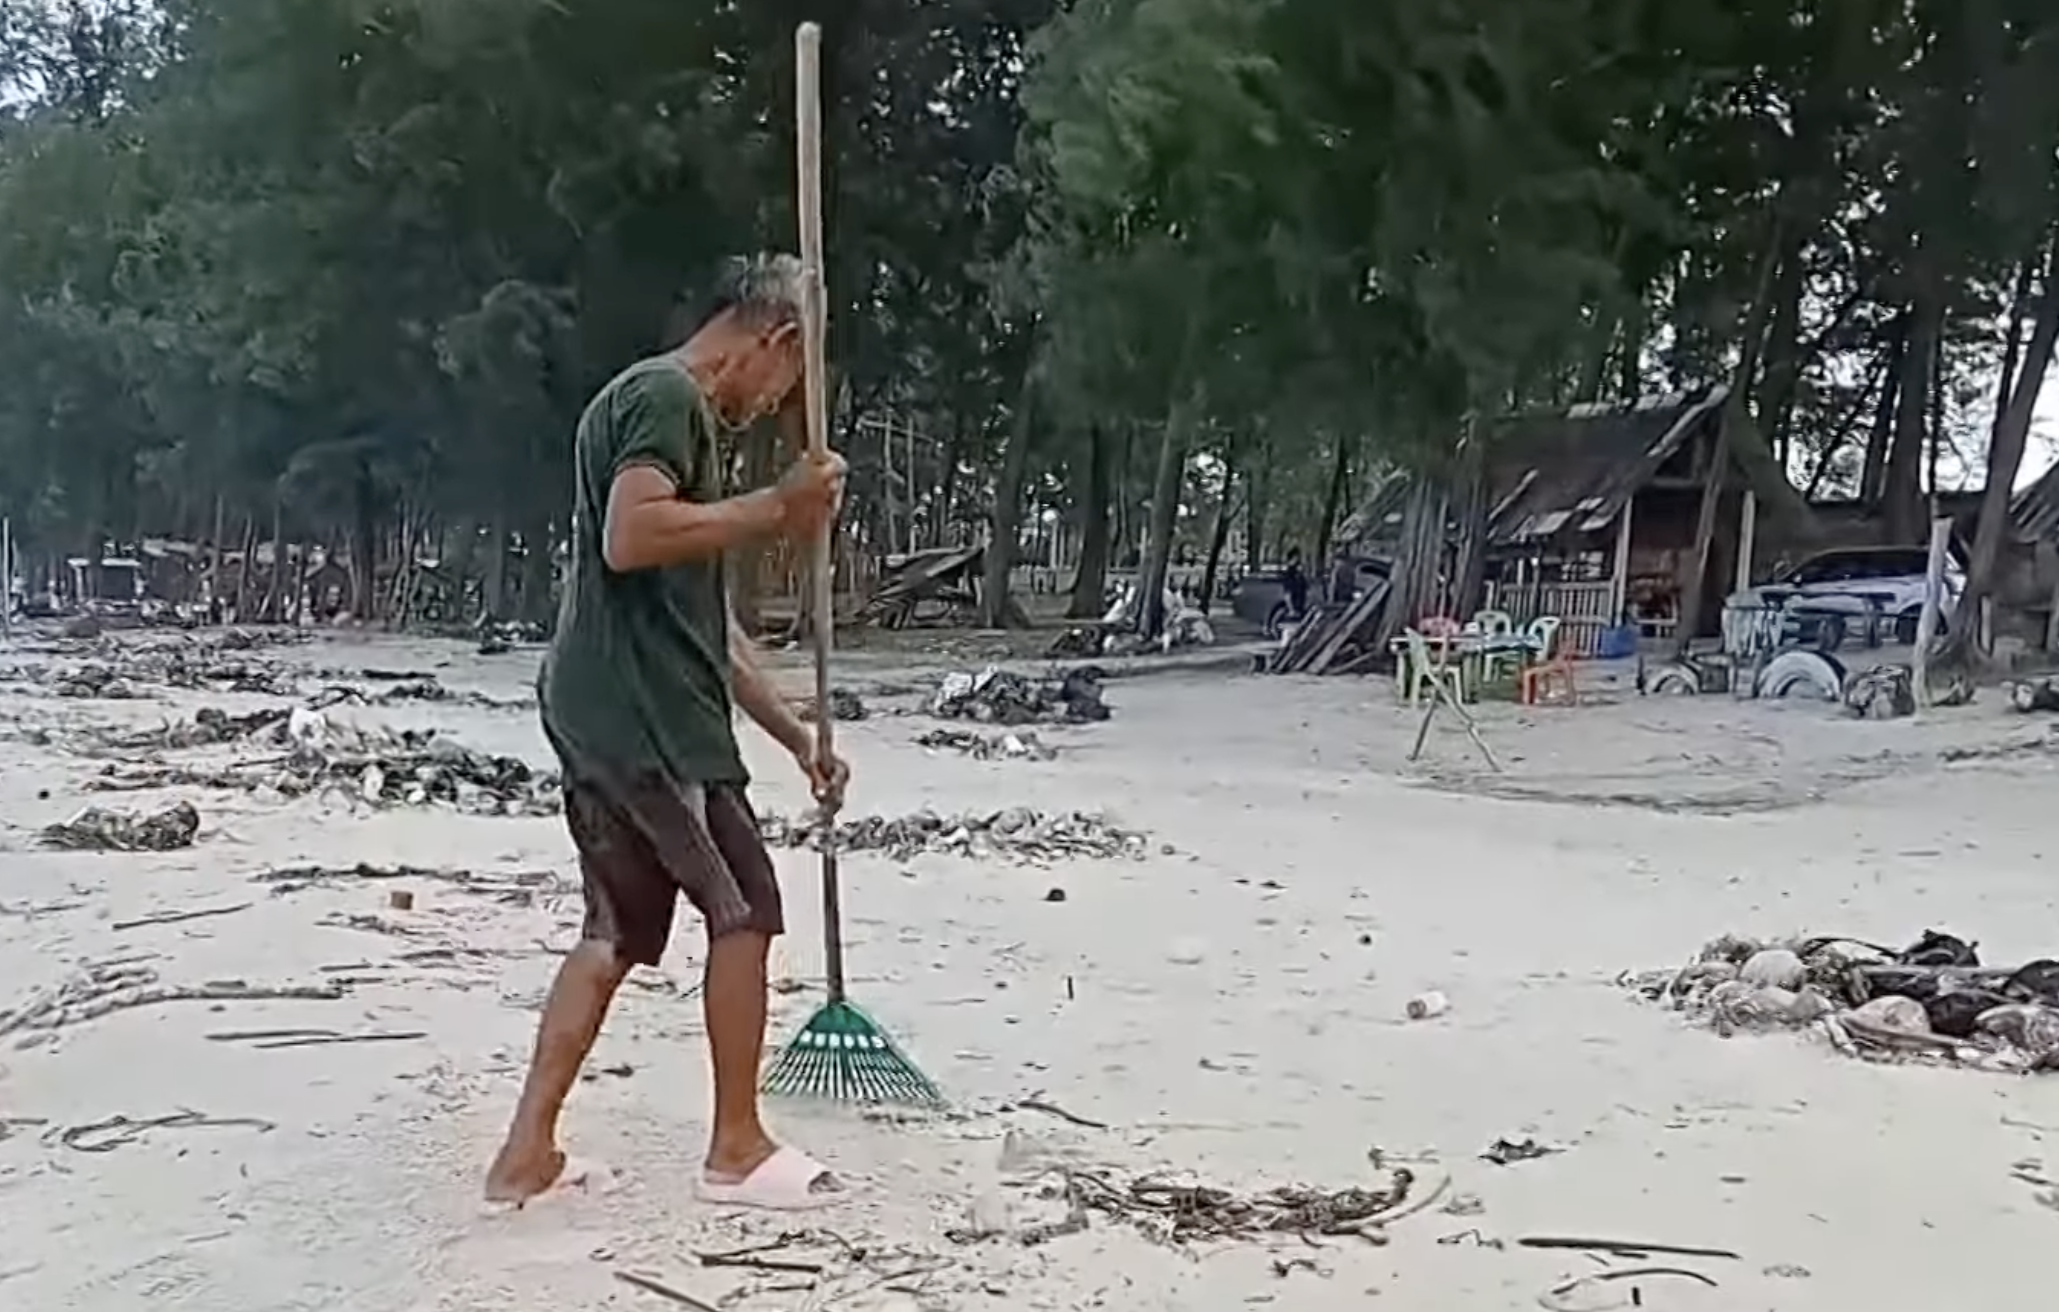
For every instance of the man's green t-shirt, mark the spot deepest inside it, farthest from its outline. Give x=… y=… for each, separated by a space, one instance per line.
x=638 y=677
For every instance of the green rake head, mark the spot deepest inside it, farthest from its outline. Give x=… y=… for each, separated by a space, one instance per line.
x=842 y=1055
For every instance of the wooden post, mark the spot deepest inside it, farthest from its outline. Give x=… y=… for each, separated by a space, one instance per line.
x=1747 y=540
x=1926 y=623
x=6 y=579
x=1619 y=598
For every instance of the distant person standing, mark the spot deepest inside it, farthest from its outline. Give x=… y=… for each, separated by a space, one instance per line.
x=1343 y=580
x=1295 y=581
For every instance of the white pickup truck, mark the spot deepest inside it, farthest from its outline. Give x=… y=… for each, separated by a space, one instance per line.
x=1841 y=593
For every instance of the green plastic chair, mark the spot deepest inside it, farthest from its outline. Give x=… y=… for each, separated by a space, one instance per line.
x=1493 y=664
x=1424 y=672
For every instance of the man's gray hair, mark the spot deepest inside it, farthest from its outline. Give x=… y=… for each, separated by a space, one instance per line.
x=761 y=289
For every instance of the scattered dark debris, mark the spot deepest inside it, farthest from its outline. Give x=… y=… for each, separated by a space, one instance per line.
x=103 y=988
x=843 y=705
x=998 y=696
x=120 y=1131
x=97 y=829
x=177 y=917
x=988 y=747
x=1018 y=833
x=1933 y=1000
x=1470 y=1238
x=512 y=886
x=272 y=1040
x=1635 y=1250
x=1507 y=1152
x=1559 y=1298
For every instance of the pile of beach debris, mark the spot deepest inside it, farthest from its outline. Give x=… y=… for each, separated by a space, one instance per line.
x=1931 y=1001
x=99 y=830
x=2027 y=695
x=998 y=696
x=410 y=767
x=1017 y=834
x=498 y=637
x=988 y=747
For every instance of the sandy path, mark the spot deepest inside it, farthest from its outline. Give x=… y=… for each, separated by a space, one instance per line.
x=1277 y=1056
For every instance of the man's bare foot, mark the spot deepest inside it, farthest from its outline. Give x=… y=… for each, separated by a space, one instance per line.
x=520 y=1173
x=732 y=1163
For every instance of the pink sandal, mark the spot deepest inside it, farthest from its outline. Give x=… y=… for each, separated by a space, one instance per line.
x=787 y=1181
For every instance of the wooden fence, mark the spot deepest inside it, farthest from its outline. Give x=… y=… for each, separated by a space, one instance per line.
x=1585 y=610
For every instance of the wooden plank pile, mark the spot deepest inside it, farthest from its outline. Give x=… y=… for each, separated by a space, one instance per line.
x=1335 y=639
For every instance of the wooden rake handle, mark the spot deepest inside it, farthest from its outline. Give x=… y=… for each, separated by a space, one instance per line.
x=814 y=382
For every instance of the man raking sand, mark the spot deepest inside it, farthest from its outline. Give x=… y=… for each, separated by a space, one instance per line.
x=636 y=695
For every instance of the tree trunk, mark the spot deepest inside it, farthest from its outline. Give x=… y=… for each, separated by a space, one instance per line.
x=493 y=590
x=948 y=484
x=214 y=553
x=365 y=564
x=1730 y=442
x=1469 y=570
x=2010 y=435
x=1165 y=511
x=1090 y=584
x=536 y=570
x=1901 y=493
x=1878 y=374
x=1418 y=560
x=1630 y=361
x=1783 y=350
x=1333 y=497
x=1125 y=506
x=1873 y=472
x=1219 y=536
x=243 y=575
x=1005 y=534
x=273 y=595
x=1256 y=484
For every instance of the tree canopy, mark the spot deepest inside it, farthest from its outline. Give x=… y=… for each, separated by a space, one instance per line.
x=345 y=271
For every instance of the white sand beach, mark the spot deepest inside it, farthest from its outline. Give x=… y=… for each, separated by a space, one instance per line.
x=1231 y=1006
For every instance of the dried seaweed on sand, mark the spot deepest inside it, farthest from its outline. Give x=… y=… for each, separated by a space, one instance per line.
x=1017 y=833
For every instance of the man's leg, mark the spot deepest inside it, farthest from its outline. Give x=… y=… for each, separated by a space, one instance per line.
x=733 y=1000
x=629 y=902
x=530 y=1161
x=738 y=892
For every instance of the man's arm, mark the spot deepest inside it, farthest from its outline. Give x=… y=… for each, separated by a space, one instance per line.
x=767 y=707
x=649 y=525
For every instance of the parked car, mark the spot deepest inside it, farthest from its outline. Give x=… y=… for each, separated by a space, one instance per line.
x=1260 y=597
x=1840 y=592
